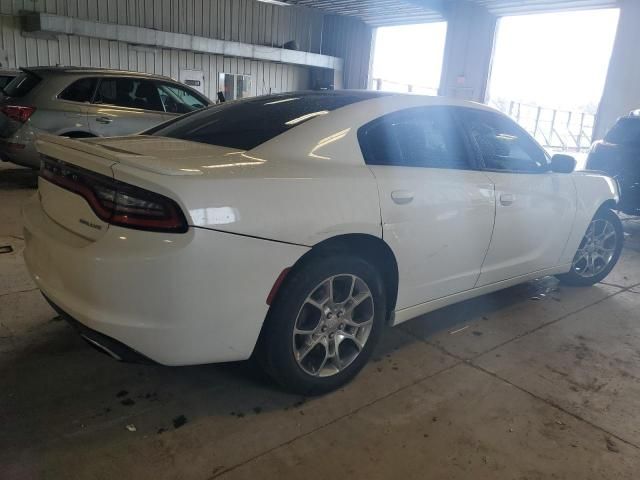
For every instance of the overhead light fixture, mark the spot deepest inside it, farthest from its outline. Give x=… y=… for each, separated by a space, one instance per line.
x=276 y=2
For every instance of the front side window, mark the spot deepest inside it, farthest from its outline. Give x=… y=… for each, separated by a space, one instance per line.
x=503 y=145
x=176 y=99
x=129 y=92
x=80 y=90
x=425 y=137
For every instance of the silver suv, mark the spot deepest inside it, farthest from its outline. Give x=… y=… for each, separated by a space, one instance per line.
x=85 y=102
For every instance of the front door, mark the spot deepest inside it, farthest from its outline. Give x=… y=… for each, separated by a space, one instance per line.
x=437 y=210
x=535 y=207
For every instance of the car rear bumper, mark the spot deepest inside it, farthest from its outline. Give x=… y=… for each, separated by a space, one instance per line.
x=178 y=299
x=20 y=148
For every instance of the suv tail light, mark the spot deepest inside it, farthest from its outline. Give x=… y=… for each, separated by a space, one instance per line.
x=116 y=202
x=18 y=113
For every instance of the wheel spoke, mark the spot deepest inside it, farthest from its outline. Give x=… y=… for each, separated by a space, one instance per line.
x=308 y=347
x=336 y=299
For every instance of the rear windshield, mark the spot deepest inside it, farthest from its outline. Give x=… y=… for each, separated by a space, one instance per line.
x=246 y=124
x=627 y=130
x=21 y=85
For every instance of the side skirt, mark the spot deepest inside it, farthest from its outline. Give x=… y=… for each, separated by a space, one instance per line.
x=405 y=314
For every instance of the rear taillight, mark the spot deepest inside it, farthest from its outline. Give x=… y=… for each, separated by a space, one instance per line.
x=18 y=113
x=116 y=202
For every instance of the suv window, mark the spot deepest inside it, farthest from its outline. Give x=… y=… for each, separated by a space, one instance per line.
x=625 y=131
x=176 y=99
x=80 y=90
x=503 y=145
x=425 y=137
x=21 y=85
x=129 y=92
x=245 y=124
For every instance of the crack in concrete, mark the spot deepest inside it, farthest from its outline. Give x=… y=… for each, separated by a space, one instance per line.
x=18 y=291
x=555 y=405
x=335 y=420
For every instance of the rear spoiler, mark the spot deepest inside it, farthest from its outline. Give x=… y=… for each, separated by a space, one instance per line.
x=82 y=146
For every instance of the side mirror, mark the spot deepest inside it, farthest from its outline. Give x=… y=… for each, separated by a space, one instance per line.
x=563 y=163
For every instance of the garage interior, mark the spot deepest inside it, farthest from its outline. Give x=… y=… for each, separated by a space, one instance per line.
x=536 y=381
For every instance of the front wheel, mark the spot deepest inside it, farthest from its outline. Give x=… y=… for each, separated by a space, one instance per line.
x=598 y=252
x=324 y=324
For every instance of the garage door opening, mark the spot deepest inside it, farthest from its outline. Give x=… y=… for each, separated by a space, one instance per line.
x=549 y=72
x=408 y=58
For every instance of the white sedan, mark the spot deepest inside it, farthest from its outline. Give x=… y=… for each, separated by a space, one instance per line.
x=293 y=227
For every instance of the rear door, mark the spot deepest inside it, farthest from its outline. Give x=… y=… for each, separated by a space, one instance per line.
x=535 y=207
x=437 y=208
x=125 y=105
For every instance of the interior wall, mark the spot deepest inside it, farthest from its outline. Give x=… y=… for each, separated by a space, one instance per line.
x=621 y=91
x=246 y=21
x=468 y=51
x=352 y=40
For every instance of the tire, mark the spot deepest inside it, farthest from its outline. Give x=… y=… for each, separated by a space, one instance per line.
x=300 y=362
x=605 y=223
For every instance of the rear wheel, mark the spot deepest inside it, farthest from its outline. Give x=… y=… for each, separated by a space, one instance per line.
x=324 y=324
x=598 y=252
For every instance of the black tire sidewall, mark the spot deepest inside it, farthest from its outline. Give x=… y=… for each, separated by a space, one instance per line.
x=277 y=345
x=572 y=278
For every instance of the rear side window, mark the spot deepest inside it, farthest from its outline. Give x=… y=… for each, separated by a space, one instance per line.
x=80 y=90
x=245 y=124
x=129 y=92
x=625 y=131
x=5 y=79
x=21 y=85
x=426 y=137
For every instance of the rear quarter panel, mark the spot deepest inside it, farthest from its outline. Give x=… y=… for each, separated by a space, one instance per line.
x=287 y=201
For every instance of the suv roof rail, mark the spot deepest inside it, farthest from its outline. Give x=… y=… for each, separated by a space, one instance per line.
x=102 y=71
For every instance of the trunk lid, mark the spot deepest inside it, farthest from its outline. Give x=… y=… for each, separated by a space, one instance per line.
x=167 y=156
x=65 y=207
x=96 y=158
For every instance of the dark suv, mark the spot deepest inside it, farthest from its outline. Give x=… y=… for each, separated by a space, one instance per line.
x=618 y=155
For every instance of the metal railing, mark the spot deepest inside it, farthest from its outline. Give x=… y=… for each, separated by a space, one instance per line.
x=393 y=86
x=558 y=130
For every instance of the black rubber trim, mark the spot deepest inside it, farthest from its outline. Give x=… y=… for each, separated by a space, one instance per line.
x=102 y=342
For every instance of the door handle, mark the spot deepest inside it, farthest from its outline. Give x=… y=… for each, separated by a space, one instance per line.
x=507 y=199
x=402 y=196
x=104 y=120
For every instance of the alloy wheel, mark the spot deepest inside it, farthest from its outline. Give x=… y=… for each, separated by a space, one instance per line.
x=333 y=325
x=597 y=249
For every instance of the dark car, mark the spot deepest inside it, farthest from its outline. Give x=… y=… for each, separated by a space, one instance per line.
x=618 y=155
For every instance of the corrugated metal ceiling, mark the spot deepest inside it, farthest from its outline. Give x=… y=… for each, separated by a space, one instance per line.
x=397 y=12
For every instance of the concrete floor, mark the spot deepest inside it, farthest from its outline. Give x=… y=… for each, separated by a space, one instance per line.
x=537 y=381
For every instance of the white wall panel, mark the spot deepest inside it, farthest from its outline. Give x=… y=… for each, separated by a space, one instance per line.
x=239 y=20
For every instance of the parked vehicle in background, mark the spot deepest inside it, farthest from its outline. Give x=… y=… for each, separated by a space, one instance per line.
x=618 y=155
x=6 y=75
x=85 y=102
x=293 y=227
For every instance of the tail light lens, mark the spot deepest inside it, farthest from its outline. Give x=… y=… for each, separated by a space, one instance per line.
x=18 y=113
x=116 y=202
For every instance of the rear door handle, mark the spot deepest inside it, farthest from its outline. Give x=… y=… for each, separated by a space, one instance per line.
x=507 y=199
x=402 y=196
x=104 y=120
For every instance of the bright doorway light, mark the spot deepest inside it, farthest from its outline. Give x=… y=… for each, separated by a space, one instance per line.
x=409 y=58
x=554 y=59
x=549 y=72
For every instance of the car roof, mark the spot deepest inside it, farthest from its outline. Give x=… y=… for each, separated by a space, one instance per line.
x=92 y=70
